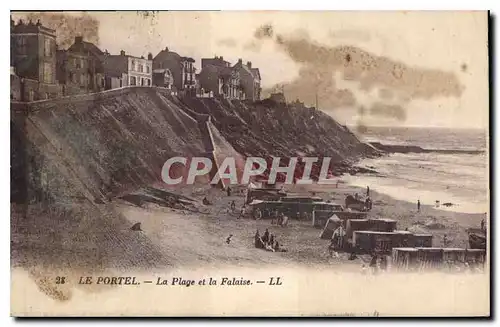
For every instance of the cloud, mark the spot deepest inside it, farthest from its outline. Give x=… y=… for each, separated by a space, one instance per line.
x=350 y=34
x=227 y=42
x=68 y=26
x=391 y=78
x=263 y=32
x=388 y=110
x=252 y=46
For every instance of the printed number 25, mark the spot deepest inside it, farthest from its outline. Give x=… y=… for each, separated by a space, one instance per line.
x=60 y=280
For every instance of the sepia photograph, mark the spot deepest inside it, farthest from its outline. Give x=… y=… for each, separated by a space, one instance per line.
x=250 y=164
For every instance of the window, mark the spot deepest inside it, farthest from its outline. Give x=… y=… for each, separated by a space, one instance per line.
x=31 y=95
x=133 y=65
x=22 y=44
x=48 y=74
x=147 y=69
x=149 y=82
x=48 y=47
x=82 y=80
x=132 y=80
x=142 y=81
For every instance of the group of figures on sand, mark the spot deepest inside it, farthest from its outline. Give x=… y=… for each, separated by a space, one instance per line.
x=268 y=242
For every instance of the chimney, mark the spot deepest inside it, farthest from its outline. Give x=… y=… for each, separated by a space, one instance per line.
x=249 y=64
x=166 y=49
x=122 y=53
x=221 y=58
x=78 y=39
x=240 y=61
x=150 y=56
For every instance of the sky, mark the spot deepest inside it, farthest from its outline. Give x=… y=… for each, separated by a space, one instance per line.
x=366 y=68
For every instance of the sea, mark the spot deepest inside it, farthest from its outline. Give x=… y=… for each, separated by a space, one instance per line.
x=459 y=178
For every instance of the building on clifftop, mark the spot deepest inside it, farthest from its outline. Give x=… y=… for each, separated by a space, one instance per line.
x=249 y=79
x=126 y=70
x=219 y=79
x=33 y=57
x=80 y=68
x=182 y=69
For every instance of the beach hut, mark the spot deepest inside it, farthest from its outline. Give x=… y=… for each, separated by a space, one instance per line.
x=383 y=225
x=355 y=225
x=373 y=241
x=475 y=255
x=455 y=255
x=404 y=258
x=430 y=257
x=403 y=238
x=376 y=225
x=422 y=240
x=331 y=225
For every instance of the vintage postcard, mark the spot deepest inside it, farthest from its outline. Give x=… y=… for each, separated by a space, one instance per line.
x=250 y=163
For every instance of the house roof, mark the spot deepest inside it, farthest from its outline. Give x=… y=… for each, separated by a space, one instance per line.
x=219 y=70
x=86 y=46
x=115 y=64
x=252 y=71
x=165 y=54
x=255 y=72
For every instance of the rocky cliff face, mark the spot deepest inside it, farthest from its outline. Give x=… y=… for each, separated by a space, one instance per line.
x=268 y=129
x=101 y=146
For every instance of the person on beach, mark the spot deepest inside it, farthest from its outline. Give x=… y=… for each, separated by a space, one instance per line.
x=482 y=224
x=284 y=220
x=368 y=203
x=258 y=241
x=275 y=217
x=368 y=191
x=228 y=191
x=418 y=205
x=265 y=237
x=356 y=196
x=233 y=206
x=242 y=212
x=340 y=233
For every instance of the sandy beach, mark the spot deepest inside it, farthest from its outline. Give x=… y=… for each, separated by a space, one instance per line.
x=180 y=238
x=175 y=242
